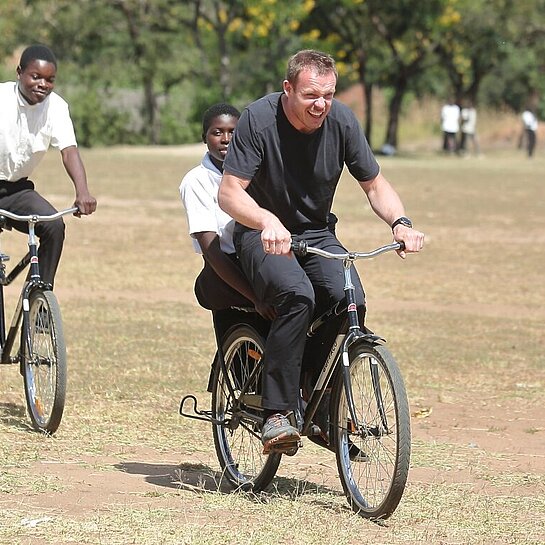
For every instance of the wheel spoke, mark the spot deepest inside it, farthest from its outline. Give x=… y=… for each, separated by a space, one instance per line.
x=238 y=445
x=44 y=361
x=374 y=482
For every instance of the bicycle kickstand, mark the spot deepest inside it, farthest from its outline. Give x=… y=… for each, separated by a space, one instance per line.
x=206 y=416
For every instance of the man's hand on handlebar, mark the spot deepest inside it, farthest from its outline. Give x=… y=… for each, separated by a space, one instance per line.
x=276 y=238
x=412 y=239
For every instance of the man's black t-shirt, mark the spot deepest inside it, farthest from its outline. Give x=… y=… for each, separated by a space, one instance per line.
x=294 y=175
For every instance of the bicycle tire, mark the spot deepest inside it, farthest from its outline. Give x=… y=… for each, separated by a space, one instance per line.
x=373 y=463
x=238 y=441
x=43 y=358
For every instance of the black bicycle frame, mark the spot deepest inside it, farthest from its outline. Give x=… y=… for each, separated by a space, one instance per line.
x=338 y=355
x=22 y=309
x=351 y=333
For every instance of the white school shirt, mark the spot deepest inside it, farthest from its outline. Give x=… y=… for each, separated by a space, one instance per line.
x=27 y=130
x=450 y=118
x=199 y=193
x=469 y=120
x=529 y=120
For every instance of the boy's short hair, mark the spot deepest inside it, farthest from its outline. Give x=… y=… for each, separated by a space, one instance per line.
x=37 y=52
x=216 y=110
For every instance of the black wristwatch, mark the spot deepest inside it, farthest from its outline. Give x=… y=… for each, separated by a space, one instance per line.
x=402 y=221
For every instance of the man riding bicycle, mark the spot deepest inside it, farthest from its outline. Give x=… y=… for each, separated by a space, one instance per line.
x=280 y=175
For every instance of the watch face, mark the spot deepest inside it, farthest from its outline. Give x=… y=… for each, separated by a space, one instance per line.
x=403 y=221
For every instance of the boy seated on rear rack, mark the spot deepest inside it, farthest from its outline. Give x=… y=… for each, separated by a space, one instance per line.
x=221 y=284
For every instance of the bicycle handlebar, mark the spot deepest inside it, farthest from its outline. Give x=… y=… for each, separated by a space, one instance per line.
x=301 y=248
x=35 y=218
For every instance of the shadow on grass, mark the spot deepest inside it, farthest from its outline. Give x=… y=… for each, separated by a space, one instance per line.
x=198 y=477
x=201 y=478
x=14 y=416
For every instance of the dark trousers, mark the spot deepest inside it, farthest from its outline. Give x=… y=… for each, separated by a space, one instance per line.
x=22 y=199
x=299 y=289
x=214 y=293
x=531 y=141
x=449 y=141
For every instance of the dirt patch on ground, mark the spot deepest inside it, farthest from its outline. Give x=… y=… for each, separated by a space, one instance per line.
x=503 y=436
x=138 y=342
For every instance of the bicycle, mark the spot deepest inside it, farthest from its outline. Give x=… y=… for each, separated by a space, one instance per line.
x=37 y=321
x=368 y=424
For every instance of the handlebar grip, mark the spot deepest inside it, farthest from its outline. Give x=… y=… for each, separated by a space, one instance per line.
x=299 y=247
x=401 y=246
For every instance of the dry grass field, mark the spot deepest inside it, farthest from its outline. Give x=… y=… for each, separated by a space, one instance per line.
x=465 y=319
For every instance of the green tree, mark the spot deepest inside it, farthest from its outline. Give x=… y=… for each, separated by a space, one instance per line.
x=346 y=30
x=407 y=29
x=139 y=71
x=155 y=31
x=11 y=17
x=385 y=43
x=267 y=33
x=518 y=81
x=470 y=38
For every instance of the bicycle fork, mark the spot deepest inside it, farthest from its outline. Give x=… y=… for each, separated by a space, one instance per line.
x=354 y=334
x=33 y=280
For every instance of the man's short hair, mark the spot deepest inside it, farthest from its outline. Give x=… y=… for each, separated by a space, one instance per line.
x=216 y=110
x=320 y=62
x=37 y=52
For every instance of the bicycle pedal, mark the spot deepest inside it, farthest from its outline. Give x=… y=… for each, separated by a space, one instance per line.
x=278 y=447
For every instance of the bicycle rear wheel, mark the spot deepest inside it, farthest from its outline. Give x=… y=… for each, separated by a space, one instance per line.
x=373 y=461
x=43 y=358
x=237 y=440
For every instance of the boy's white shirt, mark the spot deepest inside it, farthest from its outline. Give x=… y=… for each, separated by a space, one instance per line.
x=199 y=193
x=28 y=130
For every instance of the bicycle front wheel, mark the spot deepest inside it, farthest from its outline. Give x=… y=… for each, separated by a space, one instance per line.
x=373 y=458
x=43 y=358
x=237 y=438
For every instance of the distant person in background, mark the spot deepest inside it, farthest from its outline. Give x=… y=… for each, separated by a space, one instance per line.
x=529 y=121
x=221 y=284
x=468 y=127
x=33 y=118
x=450 y=125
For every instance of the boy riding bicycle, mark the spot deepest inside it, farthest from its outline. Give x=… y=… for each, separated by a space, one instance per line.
x=32 y=118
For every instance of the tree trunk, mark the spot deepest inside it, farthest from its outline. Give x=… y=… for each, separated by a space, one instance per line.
x=225 y=61
x=394 y=111
x=367 y=95
x=368 y=92
x=151 y=112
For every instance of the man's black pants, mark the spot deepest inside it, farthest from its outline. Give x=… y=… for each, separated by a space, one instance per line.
x=299 y=289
